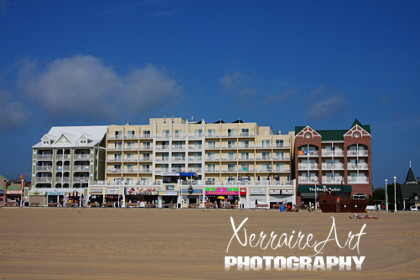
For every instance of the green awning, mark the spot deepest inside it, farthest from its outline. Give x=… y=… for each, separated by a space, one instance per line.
x=14 y=187
x=324 y=188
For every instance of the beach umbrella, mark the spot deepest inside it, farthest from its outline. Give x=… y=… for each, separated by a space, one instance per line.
x=221 y=197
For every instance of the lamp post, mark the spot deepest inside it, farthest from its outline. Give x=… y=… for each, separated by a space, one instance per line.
x=386 y=194
x=395 y=193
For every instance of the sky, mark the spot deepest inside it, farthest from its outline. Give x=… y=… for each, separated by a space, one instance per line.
x=278 y=63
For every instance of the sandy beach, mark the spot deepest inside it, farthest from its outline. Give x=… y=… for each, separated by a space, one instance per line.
x=57 y=243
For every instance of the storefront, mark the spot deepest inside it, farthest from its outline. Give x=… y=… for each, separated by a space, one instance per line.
x=280 y=197
x=36 y=198
x=257 y=198
x=223 y=197
x=113 y=197
x=191 y=197
x=13 y=195
x=308 y=192
x=169 y=198
x=96 y=195
x=142 y=197
x=55 y=198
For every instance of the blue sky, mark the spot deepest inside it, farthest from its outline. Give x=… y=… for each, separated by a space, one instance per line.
x=277 y=63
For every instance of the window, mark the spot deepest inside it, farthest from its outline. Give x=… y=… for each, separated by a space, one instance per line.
x=307 y=135
x=46 y=142
x=231 y=155
x=245 y=167
x=178 y=133
x=245 y=156
x=211 y=144
x=266 y=155
x=245 y=132
x=231 y=144
x=178 y=145
x=130 y=134
x=146 y=145
x=146 y=167
x=245 y=144
x=198 y=132
x=266 y=167
x=211 y=133
x=211 y=167
x=266 y=143
x=165 y=134
x=279 y=143
x=232 y=167
x=231 y=132
x=83 y=141
x=146 y=133
x=211 y=156
x=118 y=145
x=279 y=167
x=146 y=156
x=279 y=155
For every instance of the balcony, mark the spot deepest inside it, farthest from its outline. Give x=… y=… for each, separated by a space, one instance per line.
x=178 y=136
x=194 y=148
x=359 y=166
x=61 y=157
x=145 y=170
x=308 y=154
x=84 y=168
x=82 y=156
x=245 y=159
x=360 y=180
x=280 y=146
x=130 y=170
x=178 y=159
x=63 y=168
x=131 y=136
x=43 y=179
x=143 y=159
x=131 y=148
x=115 y=137
x=43 y=168
x=245 y=134
x=62 y=179
x=118 y=159
x=178 y=147
x=281 y=170
x=80 y=179
x=329 y=180
x=308 y=180
x=145 y=148
x=308 y=166
x=113 y=170
x=212 y=170
x=332 y=153
x=44 y=157
x=283 y=158
x=130 y=159
x=359 y=153
x=162 y=148
x=194 y=159
x=212 y=159
x=162 y=159
x=211 y=147
x=245 y=147
x=145 y=136
x=229 y=147
x=336 y=166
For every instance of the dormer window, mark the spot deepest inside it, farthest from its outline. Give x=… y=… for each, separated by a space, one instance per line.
x=45 y=142
x=83 y=141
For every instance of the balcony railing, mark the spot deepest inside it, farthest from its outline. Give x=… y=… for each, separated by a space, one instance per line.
x=336 y=166
x=309 y=153
x=43 y=179
x=145 y=148
x=360 y=153
x=81 y=168
x=178 y=159
x=44 y=157
x=131 y=136
x=80 y=179
x=130 y=159
x=114 y=137
x=113 y=170
x=195 y=159
x=43 y=168
x=359 y=166
x=326 y=153
x=131 y=148
x=81 y=156
x=149 y=159
x=361 y=180
x=130 y=170
x=305 y=166
x=61 y=157
x=326 y=180
x=306 y=180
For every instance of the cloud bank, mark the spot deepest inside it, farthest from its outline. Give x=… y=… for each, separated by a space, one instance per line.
x=84 y=86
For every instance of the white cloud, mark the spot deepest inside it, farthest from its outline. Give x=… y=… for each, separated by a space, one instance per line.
x=12 y=114
x=327 y=108
x=230 y=82
x=281 y=97
x=84 y=86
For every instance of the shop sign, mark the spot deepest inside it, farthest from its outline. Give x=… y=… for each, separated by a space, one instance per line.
x=55 y=193
x=142 y=191
x=36 y=193
x=95 y=191
x=274 y=191
x=13 y=192
x=257 y=191
x=112 y=191
x=191 y=191
x=289 y=192
x=168 y=193
x=170 y=187
x=1 y=192
x=325 y=188
x=222 y=191
x=242 y=191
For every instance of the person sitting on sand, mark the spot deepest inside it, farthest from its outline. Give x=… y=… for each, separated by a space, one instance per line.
x=361 y=217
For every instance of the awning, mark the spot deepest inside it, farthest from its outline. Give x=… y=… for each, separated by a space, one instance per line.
x=324 y=188
x=187 y=174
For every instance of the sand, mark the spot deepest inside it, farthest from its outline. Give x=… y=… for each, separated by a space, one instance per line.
x=56 y=243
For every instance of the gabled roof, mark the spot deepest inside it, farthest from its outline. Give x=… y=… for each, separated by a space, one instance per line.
x=73 y=133
x=364 y=126
x=334 y=135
